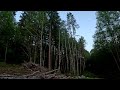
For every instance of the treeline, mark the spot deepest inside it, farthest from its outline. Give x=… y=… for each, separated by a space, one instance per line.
x=105 y=57
x=42 y=37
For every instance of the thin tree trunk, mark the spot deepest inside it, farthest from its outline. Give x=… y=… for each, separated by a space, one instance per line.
x=66 y=56
x=54 y=56
x=83 y=60
x=115 y=59
x=30 y=59
x=59 y=51
x=40 y=62
x=75 y=56
x=49 y=57
x=30 y=49
x=72 y=61
x=83 y=65
x=117 y=52
x=6 y=52
x=70 y=56
x=35 y=53
x=44 y=59
x=62 y=59
x=80 y=65
x=41 y=50
x=114 y=56
x=56 y=61
x=118 y=48
x=67 y=60
x=25 y=52
x=30 y=54
x=77 y=63
x=41 y=40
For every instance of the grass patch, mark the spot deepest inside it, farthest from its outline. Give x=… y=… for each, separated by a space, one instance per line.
x=12 y=69
x=89 y=75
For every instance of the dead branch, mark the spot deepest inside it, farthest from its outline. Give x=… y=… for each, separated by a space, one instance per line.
x=50 y=72
x=31 y=74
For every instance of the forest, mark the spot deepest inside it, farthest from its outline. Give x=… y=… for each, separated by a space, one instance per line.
x=43 y=46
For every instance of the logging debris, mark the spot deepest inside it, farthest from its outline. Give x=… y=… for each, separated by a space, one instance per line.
x=38 y=72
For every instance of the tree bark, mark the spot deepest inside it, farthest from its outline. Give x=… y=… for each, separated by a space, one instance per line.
x=56 y=60
x=59 y=51
x=77 y=63
x=6 y=52
x=44 y=59
x=35 y=53
x=41 y=39
x=66 y=55
x=49 y=57
x=70 y=60
x=30 y=54
x=80 y=65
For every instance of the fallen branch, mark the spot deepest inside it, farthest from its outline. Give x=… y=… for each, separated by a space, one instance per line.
x=50 y=72
x=50 y=76
x=31 y=74
x=42 y=74
x=7 y=75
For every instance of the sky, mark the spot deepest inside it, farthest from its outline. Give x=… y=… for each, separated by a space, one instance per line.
x=86 y=21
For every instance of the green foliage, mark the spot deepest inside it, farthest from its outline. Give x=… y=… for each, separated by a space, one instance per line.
x=104 y=60
x=29 y=40
x=86 y=54
x=7 y=30
x=102 y=64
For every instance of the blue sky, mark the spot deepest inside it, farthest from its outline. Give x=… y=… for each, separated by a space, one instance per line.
x=86 y=21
